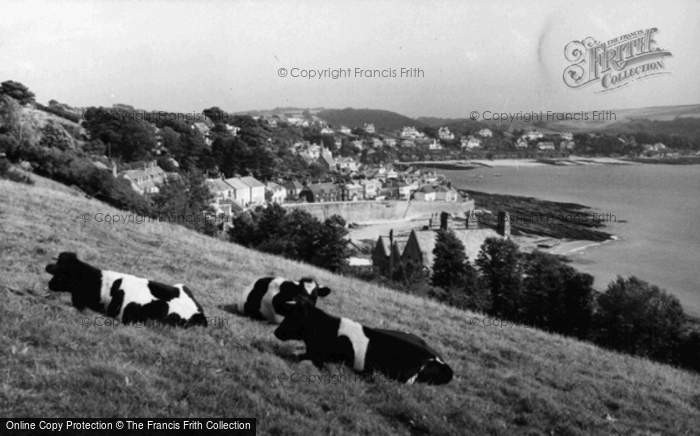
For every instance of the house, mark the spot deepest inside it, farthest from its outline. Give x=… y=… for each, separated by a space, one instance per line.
x=327 y=131
x=293 y=189
x=567 y=145
x=425 y=193
x=471 y=143
x=314 y=151
x=272 y=122
x=390 y=142
x=204 y=130
x=545 y=145
x=533 y=135
x=411 y=133
x=369 y=128
x=227 y=207
x=146 y=180
x=352 y=192
x=408 y=143
x=257 y=190
x=345 y=130
x=326 y=159
x=305 y=159
x=435 y=145
x=221 y=190
x=444 y=133
x=241 y=191
x=399 y=189
x=370 y=187
x=446 y=193
x=277 y=193
x=233 y=130
x=358 y=144
x=380 y=257
x=321 y=193
x=377 y=143
x=521 y=143
x=346 y=163
x=567 y=136
x=486 y=133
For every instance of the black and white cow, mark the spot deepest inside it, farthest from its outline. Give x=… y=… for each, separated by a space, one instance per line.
x=329 y=339
x=268 y=297
x=122 y=296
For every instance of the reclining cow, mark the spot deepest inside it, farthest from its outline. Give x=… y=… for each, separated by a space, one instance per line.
x=122 y=296
x=268 y=298
x=329 y=339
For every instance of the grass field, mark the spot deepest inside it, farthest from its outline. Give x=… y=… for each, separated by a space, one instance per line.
x=508 y=381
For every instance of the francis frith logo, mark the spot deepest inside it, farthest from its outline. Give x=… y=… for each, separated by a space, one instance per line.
x=615 y=63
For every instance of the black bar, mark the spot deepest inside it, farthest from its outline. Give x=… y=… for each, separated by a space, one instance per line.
x=128 y=426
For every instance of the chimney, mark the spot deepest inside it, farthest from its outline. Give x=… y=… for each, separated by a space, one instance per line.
x=503 y=225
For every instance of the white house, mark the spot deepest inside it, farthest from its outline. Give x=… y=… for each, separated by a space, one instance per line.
x=241 y=191
x=425 y=193
x=486 y=133
x=545 y=145
x=521 y=143
x=279 y=192
x=146 y=180
x=327 y=131
x=345 y=130
x=471 y=143
x=444 y=133
x=358 y=144
x=567 y=136
x=445 y=193
x=257 y=190
x=435 y=145
x=411 y=133
x=369 y=128
x=533 y=134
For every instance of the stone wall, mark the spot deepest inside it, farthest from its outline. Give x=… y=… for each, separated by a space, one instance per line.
x=376 y=211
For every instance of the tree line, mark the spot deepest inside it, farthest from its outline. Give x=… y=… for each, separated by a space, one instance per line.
x=540 y=290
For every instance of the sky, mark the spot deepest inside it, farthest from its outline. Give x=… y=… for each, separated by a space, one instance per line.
x=185 y=56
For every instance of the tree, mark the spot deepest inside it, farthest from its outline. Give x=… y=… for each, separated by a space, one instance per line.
x=555 y=296
x=453 y=273
x=128 y=138
x=10 y=117
x=17 y=91
x=186 y=200
x=501 y=274
x=449 y=261
x=638 y=318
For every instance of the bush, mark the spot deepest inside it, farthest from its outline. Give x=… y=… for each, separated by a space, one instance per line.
x=7 y=172
x=638 y=318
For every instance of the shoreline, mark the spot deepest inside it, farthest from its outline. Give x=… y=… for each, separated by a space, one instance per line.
x=468 y=164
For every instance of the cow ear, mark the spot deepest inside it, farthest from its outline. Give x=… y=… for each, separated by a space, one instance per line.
x=66 y=256
x=52 y=269
x=323 y=292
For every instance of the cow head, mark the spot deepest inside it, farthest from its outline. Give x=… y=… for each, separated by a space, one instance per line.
x=306 y=289
x=66 y=272
x=294 y=325
x=311 y=290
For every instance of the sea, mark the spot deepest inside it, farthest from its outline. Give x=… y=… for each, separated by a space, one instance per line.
x=656 y=209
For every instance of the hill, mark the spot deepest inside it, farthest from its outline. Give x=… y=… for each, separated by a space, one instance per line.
x=383 y=120
x=510 y=380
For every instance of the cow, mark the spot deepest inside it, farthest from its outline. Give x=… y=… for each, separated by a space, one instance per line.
x=397 y=355
x=122 y=296
x=269 y=297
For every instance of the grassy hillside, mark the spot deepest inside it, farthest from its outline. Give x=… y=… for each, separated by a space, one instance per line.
x=383 y=120
x=508 y=380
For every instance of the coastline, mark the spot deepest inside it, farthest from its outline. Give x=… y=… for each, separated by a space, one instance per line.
x=465 y=164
